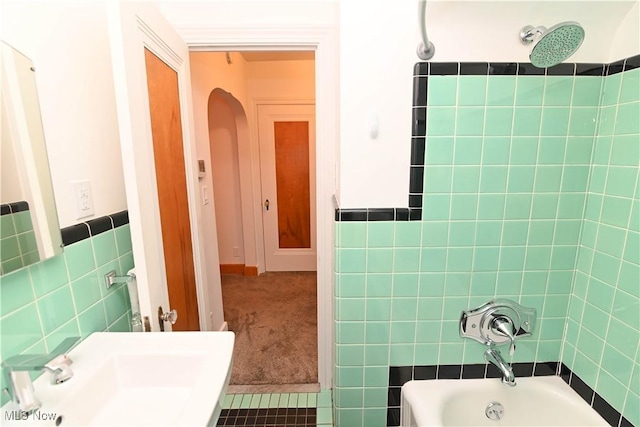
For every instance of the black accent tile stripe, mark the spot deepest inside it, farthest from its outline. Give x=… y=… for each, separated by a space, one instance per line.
x=120 y=218
x=74 y=233
x=421 y=71
x=5 y=209
x=281 y=417
x=398 y=375
x=100 y=225
x=21 y=206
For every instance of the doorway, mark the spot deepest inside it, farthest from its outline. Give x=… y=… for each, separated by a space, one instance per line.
x=272 y=92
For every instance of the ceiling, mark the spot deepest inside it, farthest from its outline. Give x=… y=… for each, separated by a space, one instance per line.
x=278 y=56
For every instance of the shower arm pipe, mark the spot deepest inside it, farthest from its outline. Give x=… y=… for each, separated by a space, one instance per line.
x=426 y=49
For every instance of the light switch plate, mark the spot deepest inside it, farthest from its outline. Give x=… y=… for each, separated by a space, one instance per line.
x=82 y=198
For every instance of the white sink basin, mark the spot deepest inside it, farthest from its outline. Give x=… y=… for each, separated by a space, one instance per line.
x=138 y=379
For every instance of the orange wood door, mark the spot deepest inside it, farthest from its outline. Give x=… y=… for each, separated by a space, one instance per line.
x=166 y=129
x=292 y=184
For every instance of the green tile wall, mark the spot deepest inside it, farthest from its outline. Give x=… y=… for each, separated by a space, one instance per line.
x=506 y=179
x=603 y=328
x=17 y=242
x=65 y=296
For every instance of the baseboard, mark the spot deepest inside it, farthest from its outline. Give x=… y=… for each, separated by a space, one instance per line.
x=250 y=270
x=232 y=269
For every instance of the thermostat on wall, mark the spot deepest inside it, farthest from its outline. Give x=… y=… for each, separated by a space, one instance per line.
x=201 y=169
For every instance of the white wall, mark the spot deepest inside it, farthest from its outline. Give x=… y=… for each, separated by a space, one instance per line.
x=68 y=44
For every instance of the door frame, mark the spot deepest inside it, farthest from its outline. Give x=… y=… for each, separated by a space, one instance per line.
x=256 y=172
x=324 y=41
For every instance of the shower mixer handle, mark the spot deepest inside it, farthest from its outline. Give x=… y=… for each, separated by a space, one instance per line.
x=504 y=325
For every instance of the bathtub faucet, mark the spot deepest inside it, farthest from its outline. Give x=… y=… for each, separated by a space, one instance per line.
x=492 y=355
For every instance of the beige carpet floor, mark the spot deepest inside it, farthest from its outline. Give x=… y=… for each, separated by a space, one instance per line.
x=275 y=322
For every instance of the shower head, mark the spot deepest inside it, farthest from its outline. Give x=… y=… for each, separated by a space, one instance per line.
x=555 y=44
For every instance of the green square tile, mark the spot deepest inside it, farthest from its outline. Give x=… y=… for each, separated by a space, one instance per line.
x=350 y=355
x=79 y=258
x=509 y=282
x=488 y=233
x=377 y=333
x=557 y=90
x=485 y=259
x=534 y=282
x=600 y=295
x=627 y=119
x=9 y=247
x=515 y=233
x=560 y=282
x=374 y=417
x=555 y=121
x=350 y=417
x=56 y=309
x=544 y=206
x=20 y=330
x=518 y=206
x=538 y=258
x=616 y=211
x=462 y=233
x=376 y=309
x=379 y=260
x=563 y=257
x=468 y=150
x=441 y=121
x=567 y=232
x=611 y=390
x=625 y=150
x=548 y=178
x=376 y=354
x=595 y=320
x=483 y=284
x=402 y=332
x=626 y=309
x=15 y=291
x=551 y=328
x=380 y=234
x=622 y=337
x=69 y=329
x=122 y=324
x=116 y=304
x=86 y=291
x=427 y=354
x=551 y=150
x=126 y=262
x=432 y=284
x=526 y=121
x=352 y=234
x=597 y=179
x=501 y=90
x=524 y=150
x=435 y=233
x=436 y=207
x=585 y=368
x=602 y=150
x=123 y=239
x=406 y=260
x=375 y=397
x=610 y=240
x=439 y=150
x=403 y=309
x=575 y=178
x=429 y=309
x=541 y=232
x=495 y=150
x=465 y=179
x=556 y=306
x=593 y=208
x=498 y=121
x=437 y=179
x=491 y=206
x=611 y=89
x=634 y=220
x=451 y=353
x=104 y=247
x=583 y=121
x=27 y=242
x=605 y=268
x=405 y=285
x=579 y=150
x=433 y=259
x=571 y=206
x=351 y=309
x=408 y=234
x=463 y=206
x=632 y=247
x=587 y=90
x=621 y=181
x=22 y=222
x=493 y=179
x=521 y=179
x=470 y=121
x=529 y=90
x=442 y=90
x=11 y=265
x=607 y=120
x=459 y=259
x=378 y=285
x=472 y=90
x=630 y=90
x=7 y=229
x=457 y=284
x=352 y=260
x=352 y=285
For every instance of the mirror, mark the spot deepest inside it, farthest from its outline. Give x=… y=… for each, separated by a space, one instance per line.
x=29 y=227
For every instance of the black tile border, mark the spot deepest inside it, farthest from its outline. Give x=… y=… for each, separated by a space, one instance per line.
x=421 y=71
x=93 y=227
x=14 y=207
x=398 y=375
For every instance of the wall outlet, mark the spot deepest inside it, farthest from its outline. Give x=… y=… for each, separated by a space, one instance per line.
x=236 y=251
x=82 y=198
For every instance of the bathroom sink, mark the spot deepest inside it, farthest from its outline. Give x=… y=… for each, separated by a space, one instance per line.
x=138 y=379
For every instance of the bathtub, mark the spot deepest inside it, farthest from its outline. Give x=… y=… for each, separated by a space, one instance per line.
x=534 y=401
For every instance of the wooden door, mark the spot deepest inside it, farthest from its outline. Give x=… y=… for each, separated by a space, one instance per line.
x=287 y=165
x=166 y=130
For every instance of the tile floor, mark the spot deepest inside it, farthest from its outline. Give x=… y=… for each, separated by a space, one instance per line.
x=277 y=409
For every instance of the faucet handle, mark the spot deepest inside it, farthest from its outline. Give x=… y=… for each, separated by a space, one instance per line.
x=504 y=325
x=60 y=368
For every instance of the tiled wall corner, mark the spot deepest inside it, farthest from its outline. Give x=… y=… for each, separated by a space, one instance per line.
x=65 y=296
x=603 y=329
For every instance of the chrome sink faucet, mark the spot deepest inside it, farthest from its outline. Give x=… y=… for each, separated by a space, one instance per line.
x=16 y=372
x=493 y=356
